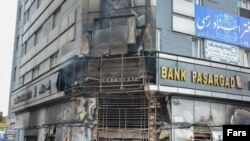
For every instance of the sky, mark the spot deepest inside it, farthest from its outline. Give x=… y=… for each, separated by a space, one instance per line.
x=7 y=32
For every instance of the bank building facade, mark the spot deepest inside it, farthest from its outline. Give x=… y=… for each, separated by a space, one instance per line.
x=130 y=70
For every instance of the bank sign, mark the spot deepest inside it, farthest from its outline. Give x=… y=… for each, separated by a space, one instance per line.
x=201 y=77
x=179 y=74
x=220 y=26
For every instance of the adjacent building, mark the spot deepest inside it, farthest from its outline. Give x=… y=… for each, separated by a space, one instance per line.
x=129 y=70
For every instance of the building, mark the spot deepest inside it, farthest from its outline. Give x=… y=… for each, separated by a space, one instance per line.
x=129 y=70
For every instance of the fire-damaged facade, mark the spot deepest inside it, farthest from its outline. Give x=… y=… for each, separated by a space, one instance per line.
x=129 y=70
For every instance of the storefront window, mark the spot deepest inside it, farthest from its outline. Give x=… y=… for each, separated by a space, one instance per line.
x=192 y=117
x=202 y=112
x=182 y=111
x=218 y=112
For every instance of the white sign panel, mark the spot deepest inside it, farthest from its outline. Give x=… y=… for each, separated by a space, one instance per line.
x=221 y=52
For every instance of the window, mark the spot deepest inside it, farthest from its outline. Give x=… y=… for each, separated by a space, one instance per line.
x=24 y=49
x=158 y=39
x=244 y=4
x=246 y=58
x=14 y=75
x=21 y=80
x=30 y=138
x=39 y=3
x=38 y=36
x=197 y=48
x=17 y=41
x=27 y=16
x=35 y=72
x=53 y=60
x=55 y=19
x=20 y=13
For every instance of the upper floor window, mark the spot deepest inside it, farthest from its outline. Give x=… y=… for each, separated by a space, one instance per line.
x=244 y=4
x=35 y=72
x=39 y=3
x=55 y=19
x=244 y=58
x=24 y=49
x=14 y=75
x=27 y=16
x=158 y=39
x=17 y=41
x=38 y=36
x=19 y=12
x=53 y=60
x=197 y=48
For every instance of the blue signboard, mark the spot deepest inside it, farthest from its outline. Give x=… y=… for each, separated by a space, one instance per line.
x=220 y=26
x=244 y=32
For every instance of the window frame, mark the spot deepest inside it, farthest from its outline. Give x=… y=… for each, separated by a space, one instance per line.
x=27 y=16
x=198 y=48
x=56 y=18
x=35 y=72
x=38 y=36
x=17 y=42
x=241 y=2
x=24 y=49
x=20 y=13
x=53 y=60
x=15 y=74
x=38 y=4
x=158 y=39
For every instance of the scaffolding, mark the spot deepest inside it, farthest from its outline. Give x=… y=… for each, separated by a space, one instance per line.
x=106 y=75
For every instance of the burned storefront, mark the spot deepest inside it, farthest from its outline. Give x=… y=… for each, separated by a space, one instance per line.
x=125 y=70
x=199 y=98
